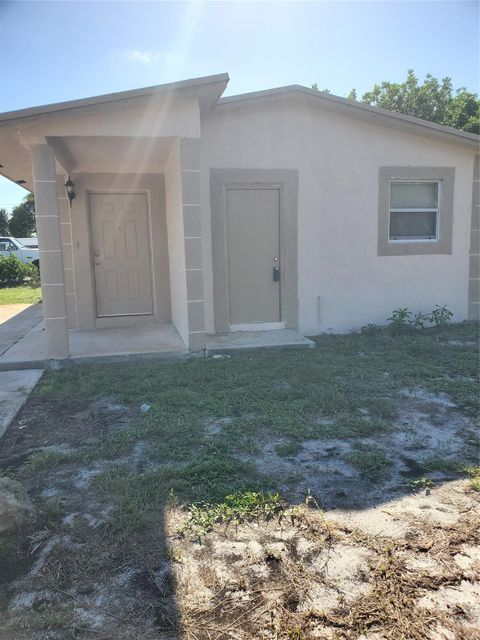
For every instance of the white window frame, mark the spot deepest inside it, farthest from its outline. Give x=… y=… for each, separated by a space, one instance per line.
x=415 y=210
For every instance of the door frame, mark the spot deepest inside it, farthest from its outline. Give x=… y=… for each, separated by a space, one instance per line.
x=120 y=192
x=286 y=181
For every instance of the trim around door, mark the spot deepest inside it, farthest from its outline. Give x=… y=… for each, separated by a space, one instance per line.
x=286 y=181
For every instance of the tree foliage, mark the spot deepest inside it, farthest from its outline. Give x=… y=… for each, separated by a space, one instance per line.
x=3 y=223
x=315 y=88
x=22 y=223
x=433 y=100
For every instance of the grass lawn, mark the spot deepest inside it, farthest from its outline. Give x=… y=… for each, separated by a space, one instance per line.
x=20 y=295
x=132 y=537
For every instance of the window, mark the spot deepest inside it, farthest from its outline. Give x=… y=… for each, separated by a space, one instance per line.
x=7 y=245
x=414 y=211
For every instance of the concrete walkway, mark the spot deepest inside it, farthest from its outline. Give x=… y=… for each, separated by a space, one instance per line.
x=15 y=387
x=15 y=321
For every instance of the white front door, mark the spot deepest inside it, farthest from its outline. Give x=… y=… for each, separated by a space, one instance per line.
x=121 y=254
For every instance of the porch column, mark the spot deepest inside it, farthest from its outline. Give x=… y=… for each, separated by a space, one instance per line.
x=50 y=251
x=192 y=225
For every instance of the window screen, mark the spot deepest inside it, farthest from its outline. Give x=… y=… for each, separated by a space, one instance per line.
x=413 y=210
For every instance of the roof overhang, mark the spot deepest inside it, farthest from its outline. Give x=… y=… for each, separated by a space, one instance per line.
x=17 y=124
x=207 y=89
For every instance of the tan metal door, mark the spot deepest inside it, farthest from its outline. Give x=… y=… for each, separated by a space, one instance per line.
x=253 y=232
x=121 y=254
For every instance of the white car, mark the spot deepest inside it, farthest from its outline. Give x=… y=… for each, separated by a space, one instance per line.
x=28 y=242
x=11 y=246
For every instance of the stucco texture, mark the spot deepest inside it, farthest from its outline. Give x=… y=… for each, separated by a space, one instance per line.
x=343 y=283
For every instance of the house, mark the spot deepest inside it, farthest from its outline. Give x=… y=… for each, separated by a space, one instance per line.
x=285 y=208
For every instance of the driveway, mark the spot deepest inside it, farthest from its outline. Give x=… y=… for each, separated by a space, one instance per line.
x=15 y=321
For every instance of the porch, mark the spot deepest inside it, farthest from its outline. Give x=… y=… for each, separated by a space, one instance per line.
x=123 y=248
x=135 y=343
x=99 y=345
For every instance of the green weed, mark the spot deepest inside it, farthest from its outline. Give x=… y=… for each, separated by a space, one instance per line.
x=235 y=509
x=370 y=462
x=418 y=484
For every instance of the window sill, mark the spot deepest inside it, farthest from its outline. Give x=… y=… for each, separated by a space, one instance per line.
x=414 y=240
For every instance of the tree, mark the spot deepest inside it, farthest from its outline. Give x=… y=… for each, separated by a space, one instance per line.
x=22 y=223
x=3 y=223
x=315 y=88
x=433 y=100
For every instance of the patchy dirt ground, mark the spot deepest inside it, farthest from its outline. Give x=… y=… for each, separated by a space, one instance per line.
x=408 y=569
x=428 y=428
x=377 y=537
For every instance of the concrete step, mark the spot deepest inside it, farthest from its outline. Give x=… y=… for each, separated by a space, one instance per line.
x=238 y=341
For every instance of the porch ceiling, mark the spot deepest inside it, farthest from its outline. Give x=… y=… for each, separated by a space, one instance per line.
x=108 y=154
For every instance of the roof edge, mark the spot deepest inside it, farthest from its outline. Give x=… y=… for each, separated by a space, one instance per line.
x=182 y=86
x=360 y=107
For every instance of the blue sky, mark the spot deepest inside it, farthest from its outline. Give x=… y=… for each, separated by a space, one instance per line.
x=54 y=51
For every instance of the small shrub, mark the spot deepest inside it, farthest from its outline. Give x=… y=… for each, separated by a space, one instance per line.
x=400 y=321
x=403 y=321
x=14 y=272
x=440 y=316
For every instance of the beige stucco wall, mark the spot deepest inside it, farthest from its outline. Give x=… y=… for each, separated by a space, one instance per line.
x=343 y=283
x=176 y=244
x=82 y=304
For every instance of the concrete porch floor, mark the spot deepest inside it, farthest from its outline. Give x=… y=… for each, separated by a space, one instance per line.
x=123 y=344
x=86 y=345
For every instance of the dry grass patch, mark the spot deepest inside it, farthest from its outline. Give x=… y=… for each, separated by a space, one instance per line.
x=304 y=575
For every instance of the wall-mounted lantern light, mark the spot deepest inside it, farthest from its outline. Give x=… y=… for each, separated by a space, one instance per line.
x=70 y=189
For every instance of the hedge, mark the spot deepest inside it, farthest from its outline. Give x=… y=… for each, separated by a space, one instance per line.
x=14 y=272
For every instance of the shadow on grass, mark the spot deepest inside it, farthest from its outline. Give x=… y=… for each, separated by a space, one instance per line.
x=351 y=425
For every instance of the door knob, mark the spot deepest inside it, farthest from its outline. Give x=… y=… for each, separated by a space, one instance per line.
x=276 y=274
